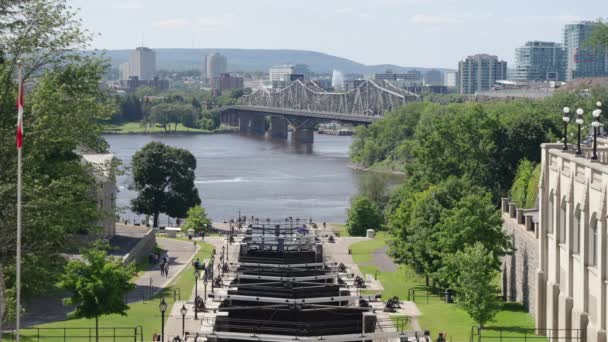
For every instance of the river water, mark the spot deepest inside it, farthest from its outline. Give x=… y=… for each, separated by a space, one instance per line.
x=256 y=176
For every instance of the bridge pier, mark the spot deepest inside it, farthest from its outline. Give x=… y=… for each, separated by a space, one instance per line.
x=258 y=125
x=303 y=136
x=244 y=119
x=278 y=127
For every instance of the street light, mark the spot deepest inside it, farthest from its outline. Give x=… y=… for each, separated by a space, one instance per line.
x=163 y=307
x=596 y=127
x=183 y=311
x=579 y=122
x=196 y=275
x=566 y=119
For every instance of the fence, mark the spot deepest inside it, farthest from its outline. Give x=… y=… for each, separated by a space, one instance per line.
x=106 y=334
x=147 y=294
x=512 y=334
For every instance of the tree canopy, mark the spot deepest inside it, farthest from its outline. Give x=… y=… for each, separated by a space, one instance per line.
x=164 y=179
x=363 y=215
x=97 y=285
x=196 y=220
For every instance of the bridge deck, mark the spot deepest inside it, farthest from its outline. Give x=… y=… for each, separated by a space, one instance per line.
x=305 y=113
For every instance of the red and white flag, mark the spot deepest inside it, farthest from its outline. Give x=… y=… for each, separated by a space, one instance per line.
x=20 y=104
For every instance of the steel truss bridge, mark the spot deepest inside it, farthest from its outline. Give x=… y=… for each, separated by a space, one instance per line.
x=303 y=104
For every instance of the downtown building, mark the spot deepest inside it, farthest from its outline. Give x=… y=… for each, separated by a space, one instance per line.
x=142 y=64
x=285 y=72
x=480 y=72
x=540 y=61
x=226 y=82
x=582 y=61
x=215 y=65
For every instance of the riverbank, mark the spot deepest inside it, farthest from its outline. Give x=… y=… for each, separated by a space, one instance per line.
x=375 y=168
x=137 y=128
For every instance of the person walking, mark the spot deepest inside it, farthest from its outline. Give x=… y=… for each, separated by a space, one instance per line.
x=167 y=270
x=162 y=269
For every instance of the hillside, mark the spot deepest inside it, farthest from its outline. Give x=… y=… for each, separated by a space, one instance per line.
x=257 y=60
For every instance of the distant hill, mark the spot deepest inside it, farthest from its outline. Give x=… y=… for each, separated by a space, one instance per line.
x=258 y=60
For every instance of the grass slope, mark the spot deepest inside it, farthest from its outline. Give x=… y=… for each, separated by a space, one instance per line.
x=437 y=316
x=136 y=127
x=144 y=314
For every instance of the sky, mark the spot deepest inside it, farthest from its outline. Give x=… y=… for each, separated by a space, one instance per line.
x=414 y=33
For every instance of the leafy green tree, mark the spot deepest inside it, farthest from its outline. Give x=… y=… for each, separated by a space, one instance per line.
x=599 y=36
x=196 y=220
x=97 y=285
x=166 y=113
x=519 y=190
x=475 y=288
x=472 y=220
x=531 y=201
x=164 y=178
x=363 y=215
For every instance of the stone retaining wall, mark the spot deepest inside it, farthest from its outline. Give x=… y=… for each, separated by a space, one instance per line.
x=143 y=247
x=519 y=268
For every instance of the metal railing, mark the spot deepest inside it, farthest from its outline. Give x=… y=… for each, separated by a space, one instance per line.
x=106 y=334
x=508 y=334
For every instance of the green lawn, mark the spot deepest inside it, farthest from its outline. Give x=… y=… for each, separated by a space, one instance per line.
x=437 y=316
x=146 y=315
x=136 y=127
x=338 y=227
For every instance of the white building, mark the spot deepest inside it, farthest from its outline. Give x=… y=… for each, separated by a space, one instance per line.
x=124 y=71
x=572 y=287
x=103 y=169
x=215 y=65
x=451 y=78
x=142 y=63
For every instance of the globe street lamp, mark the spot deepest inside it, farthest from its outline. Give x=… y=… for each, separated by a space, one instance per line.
x=196 y=275
x=596 y=127
x=579 y=122
x=163 y=307
x=183 y=311
x=566 y=119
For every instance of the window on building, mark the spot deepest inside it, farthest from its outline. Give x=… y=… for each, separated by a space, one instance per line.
x=592 y=252
x=562 y=223
x=576 y=236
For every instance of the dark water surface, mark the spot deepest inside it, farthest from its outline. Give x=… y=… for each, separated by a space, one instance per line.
x=258 y=177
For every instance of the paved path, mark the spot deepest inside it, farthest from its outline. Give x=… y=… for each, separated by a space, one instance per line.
x=383 y=261
x=150 y=282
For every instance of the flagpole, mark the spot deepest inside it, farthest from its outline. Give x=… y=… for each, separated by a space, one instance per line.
x=18 y=276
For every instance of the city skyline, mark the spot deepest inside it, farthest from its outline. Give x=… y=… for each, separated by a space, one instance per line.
x=442 y=32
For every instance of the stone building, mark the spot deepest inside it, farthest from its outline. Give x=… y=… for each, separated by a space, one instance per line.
x=571 y=288
x=102 y=167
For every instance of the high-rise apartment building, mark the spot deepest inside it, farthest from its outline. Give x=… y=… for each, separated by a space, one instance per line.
x=283 y=72
x=123 y=70
x=226 y=82
x=540 y=61
x=583 y=61
x=480 y=72
x=142 y=63
x=215 y=65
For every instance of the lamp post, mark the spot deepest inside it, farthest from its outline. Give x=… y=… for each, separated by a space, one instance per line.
x=596 y=127
x=196 y=275
x=579 y=122
x=163 y=307
x=205 y=281
x=566 y=119
x=183 y=311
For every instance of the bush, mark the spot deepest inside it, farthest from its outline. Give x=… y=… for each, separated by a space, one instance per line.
x=532 y=191
x=363 y=215
x=519 y=190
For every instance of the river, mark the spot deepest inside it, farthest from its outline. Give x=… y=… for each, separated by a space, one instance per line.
x=256 y=176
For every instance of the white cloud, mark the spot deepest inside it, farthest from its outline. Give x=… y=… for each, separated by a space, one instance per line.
x=172 y=23
x=128 y=4
x=344 y=10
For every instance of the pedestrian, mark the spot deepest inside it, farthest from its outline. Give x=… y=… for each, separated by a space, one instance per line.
x=154 y=337
x=323 y=225
x=162 y=269
x=167 y=270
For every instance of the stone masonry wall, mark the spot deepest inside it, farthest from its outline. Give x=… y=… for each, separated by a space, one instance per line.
x=519 y=268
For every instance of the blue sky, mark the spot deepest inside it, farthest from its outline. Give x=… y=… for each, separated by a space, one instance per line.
x=424 y=33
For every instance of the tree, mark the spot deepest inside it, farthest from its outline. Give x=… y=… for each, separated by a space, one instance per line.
x=519 y=189
x=362 y=215
x=97 y=285
x=472 y=220
x=475 y=289
x=196 y=220
x=599 y=36
x=373 y=185
x=164 y=178
x=167 y=113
